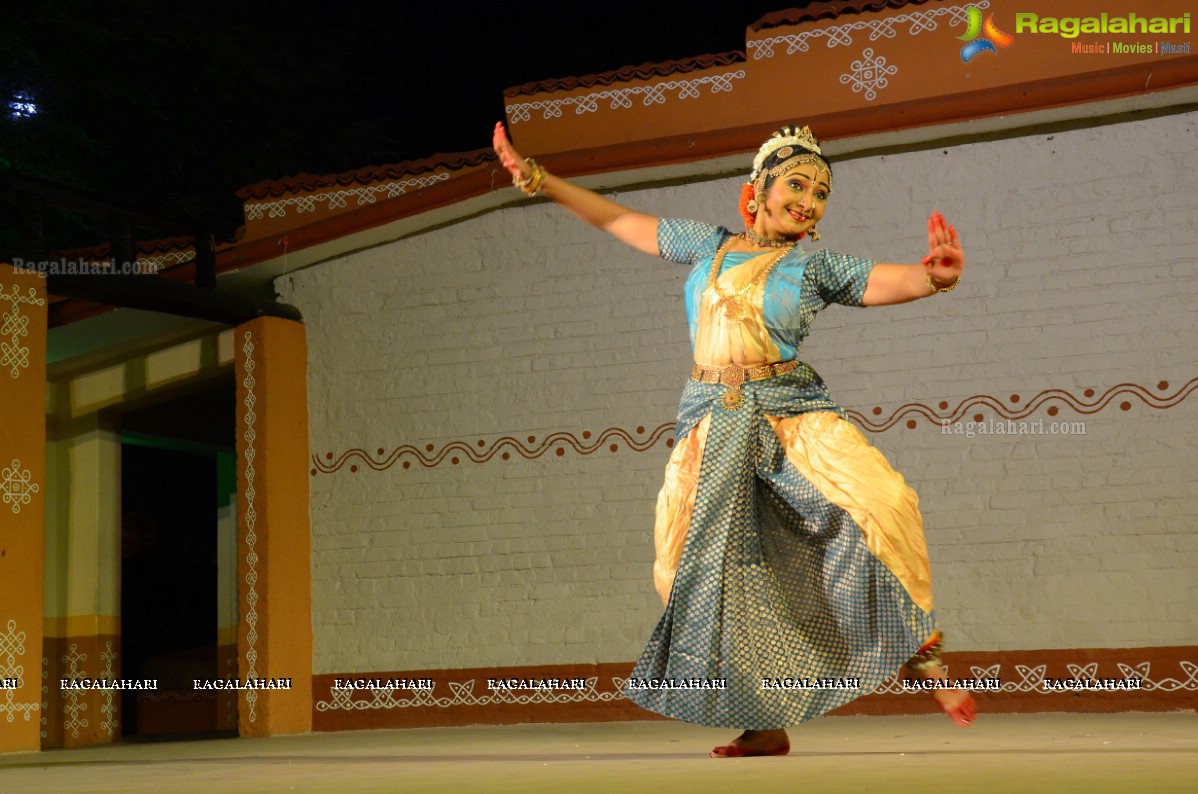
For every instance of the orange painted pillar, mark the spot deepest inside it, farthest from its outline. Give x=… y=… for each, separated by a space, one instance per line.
x=22 y=505
x=82 y=582
x=274 y=565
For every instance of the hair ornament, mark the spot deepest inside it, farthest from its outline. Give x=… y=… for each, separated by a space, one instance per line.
x=782 y=143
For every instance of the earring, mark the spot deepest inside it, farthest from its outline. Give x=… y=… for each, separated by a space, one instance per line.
x=753 y=205
x=814 y=234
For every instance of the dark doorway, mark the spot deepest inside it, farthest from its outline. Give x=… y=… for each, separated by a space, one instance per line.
x=176 y=473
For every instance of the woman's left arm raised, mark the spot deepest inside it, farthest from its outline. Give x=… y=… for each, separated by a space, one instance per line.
x=939 y=271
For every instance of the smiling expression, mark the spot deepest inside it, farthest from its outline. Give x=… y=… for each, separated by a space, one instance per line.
x=794 y=203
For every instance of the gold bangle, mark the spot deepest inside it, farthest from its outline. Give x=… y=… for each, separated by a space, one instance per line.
x=937 y=288
x=533 y=183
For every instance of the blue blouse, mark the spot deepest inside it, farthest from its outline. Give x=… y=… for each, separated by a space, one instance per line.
x=803 y=282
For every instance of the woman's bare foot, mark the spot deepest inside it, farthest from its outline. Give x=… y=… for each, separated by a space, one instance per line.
x=751 y=743
x=958 y=704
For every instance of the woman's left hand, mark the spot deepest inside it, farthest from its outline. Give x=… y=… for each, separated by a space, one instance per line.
x=946 y=258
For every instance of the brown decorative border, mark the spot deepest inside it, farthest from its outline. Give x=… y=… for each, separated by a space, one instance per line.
x=301 y=183
x=644 y=71
x=681 y=148
x=833 y=9
x=1168 y=682
x=1168 y=675
x=1011 y=409
x=482 y=452
x=164 y=245
x=462 y=697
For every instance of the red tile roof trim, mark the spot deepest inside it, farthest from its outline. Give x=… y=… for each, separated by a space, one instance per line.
x=302 y=183
x=645 y=71
x=97 y=253
x=825 y=10
x=793 y=16
x=1119 y=82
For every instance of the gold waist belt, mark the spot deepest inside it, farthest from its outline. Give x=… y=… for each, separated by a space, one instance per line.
x=734 y=375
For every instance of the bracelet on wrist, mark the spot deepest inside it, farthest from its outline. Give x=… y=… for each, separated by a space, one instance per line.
x=533 y=183
x=934 y=287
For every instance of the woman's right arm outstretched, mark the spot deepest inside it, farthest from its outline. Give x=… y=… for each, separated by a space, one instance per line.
x=638 y=229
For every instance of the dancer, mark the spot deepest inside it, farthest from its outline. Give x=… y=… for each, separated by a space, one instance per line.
x=790 y=557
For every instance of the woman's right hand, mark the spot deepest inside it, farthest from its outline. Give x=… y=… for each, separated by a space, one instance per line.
x=509 y=158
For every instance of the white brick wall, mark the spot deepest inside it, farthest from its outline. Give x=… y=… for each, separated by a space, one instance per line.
x=1081 y=274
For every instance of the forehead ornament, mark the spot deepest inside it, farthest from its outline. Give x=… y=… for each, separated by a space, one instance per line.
x=783 y=145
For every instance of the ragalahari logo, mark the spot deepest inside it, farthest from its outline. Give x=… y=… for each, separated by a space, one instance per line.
x=991 y=35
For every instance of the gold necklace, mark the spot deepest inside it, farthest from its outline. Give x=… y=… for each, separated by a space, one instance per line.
x=765 y=242
x=734 y=305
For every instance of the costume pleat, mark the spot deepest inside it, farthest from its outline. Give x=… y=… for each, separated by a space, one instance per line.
x=775 y=580
x=788 y=550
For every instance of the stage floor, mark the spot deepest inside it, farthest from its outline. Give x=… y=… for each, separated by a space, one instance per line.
x=1056 y=753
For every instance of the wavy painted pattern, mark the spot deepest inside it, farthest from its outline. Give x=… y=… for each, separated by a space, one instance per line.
x=1015 y=408
x=530 y=447
x=616 y=439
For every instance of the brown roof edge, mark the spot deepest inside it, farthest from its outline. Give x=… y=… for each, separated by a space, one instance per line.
x=162 y=245
x=829 y=9
x=643 y=72
x=1111 y=84
x=299 y=183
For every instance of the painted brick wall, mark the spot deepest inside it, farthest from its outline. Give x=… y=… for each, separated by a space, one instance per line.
x=524 y=323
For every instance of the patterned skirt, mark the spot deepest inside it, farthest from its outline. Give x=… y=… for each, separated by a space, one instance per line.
x=791 y=559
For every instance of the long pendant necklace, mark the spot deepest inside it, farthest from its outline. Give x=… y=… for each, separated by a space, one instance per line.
x=733 y=305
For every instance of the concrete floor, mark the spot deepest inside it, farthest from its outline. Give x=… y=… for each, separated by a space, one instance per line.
x=1057 y=753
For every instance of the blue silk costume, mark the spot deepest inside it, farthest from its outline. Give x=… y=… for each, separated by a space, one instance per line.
x=800 y=552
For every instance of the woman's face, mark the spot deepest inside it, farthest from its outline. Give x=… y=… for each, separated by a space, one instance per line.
x=794 y=203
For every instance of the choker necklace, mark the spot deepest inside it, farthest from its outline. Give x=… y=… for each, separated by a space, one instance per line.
x=753 y=237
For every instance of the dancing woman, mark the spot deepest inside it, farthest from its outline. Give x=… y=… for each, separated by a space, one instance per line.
x=790 y=557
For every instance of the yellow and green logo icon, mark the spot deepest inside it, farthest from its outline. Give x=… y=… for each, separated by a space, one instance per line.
x=991 y=36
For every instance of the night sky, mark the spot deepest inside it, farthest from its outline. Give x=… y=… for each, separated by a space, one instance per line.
x=461 y=76
x=429 y=76
x=168 y=109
